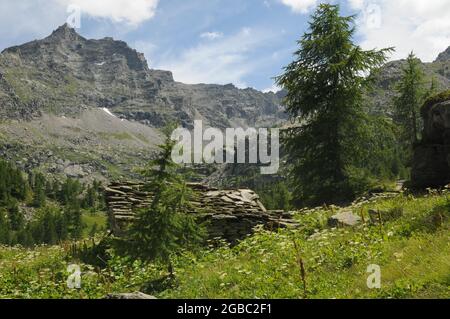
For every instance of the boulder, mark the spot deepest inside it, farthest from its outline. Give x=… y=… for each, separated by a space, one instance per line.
x=431 y=160
x=346 y=218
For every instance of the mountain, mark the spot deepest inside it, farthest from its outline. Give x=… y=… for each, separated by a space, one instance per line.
x=65 y=73
x=93 y=108
x=380 y=99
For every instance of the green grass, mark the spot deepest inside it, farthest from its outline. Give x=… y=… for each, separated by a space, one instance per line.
x=90 y=219
x=412 y=250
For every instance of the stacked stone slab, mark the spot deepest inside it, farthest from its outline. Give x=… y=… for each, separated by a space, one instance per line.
x=230 y=214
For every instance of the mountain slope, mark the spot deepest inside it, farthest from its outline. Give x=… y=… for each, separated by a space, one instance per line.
x=66 y=73
x=380 y=99
x=97 y=106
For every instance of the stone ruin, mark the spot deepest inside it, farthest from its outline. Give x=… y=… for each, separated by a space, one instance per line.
x=230 y=214
x=431 y=162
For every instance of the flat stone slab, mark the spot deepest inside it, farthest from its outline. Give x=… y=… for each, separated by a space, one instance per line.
x=133 y=295
x=346 y=218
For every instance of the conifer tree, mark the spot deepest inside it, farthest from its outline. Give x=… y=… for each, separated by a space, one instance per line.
x=16 y=218
x=411 y=97
x=324 y=88
x=5 y=231
x=164 y=227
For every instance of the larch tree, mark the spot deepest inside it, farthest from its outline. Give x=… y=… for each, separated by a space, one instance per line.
x=325 y=85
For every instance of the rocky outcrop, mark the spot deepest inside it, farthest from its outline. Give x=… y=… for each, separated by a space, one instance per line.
x=431 y=163
x=231 y=214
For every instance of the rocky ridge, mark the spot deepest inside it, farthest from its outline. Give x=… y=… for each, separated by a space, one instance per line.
x=66 y=73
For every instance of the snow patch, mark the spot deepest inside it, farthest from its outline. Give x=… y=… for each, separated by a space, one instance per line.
x=101 y=63
x=108 y=111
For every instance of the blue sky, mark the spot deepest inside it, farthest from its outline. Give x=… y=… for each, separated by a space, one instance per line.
x=245 y=42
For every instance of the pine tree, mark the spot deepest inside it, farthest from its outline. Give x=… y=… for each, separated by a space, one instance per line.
x=164 y=227
x=49 y=234
x=39 y=185
x=15 y=216
x=39 y=197
x=324 y=96
x=74 y=218
x=90 y=198
x=411 y=97
x=25 y=237
x=5 y=230
x=61 y=225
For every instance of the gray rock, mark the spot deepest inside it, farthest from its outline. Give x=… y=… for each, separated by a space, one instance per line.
x=74 y=171
x=134 y=295
x=346 y=218
x=431 y=164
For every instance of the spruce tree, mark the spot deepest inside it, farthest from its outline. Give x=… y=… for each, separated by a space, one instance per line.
x=324 y=87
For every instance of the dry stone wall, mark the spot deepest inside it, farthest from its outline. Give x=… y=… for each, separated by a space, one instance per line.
x=230 y=214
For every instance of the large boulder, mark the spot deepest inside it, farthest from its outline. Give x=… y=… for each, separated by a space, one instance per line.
x=431 y=161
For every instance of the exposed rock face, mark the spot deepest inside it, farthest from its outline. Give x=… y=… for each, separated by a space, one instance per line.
x=66 y=73
x=231 y=214
x=444 y=56
x=437 y=123
x=431 y=165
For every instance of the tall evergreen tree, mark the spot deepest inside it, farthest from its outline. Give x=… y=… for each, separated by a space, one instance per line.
x=411 y=97
x=324 y=95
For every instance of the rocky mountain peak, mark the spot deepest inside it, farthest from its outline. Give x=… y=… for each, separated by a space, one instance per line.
x=444 y=56
x=65 y=32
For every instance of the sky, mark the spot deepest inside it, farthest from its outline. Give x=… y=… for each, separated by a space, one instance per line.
x=244 y=42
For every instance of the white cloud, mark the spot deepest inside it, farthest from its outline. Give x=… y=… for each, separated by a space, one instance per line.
x=131 y=12
x=301 y=6
x=226 y=60
x=356 y=4
x=28 y=19
x=211 y=35
x=148 y=48
x=409 y=25
x=274 y=88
